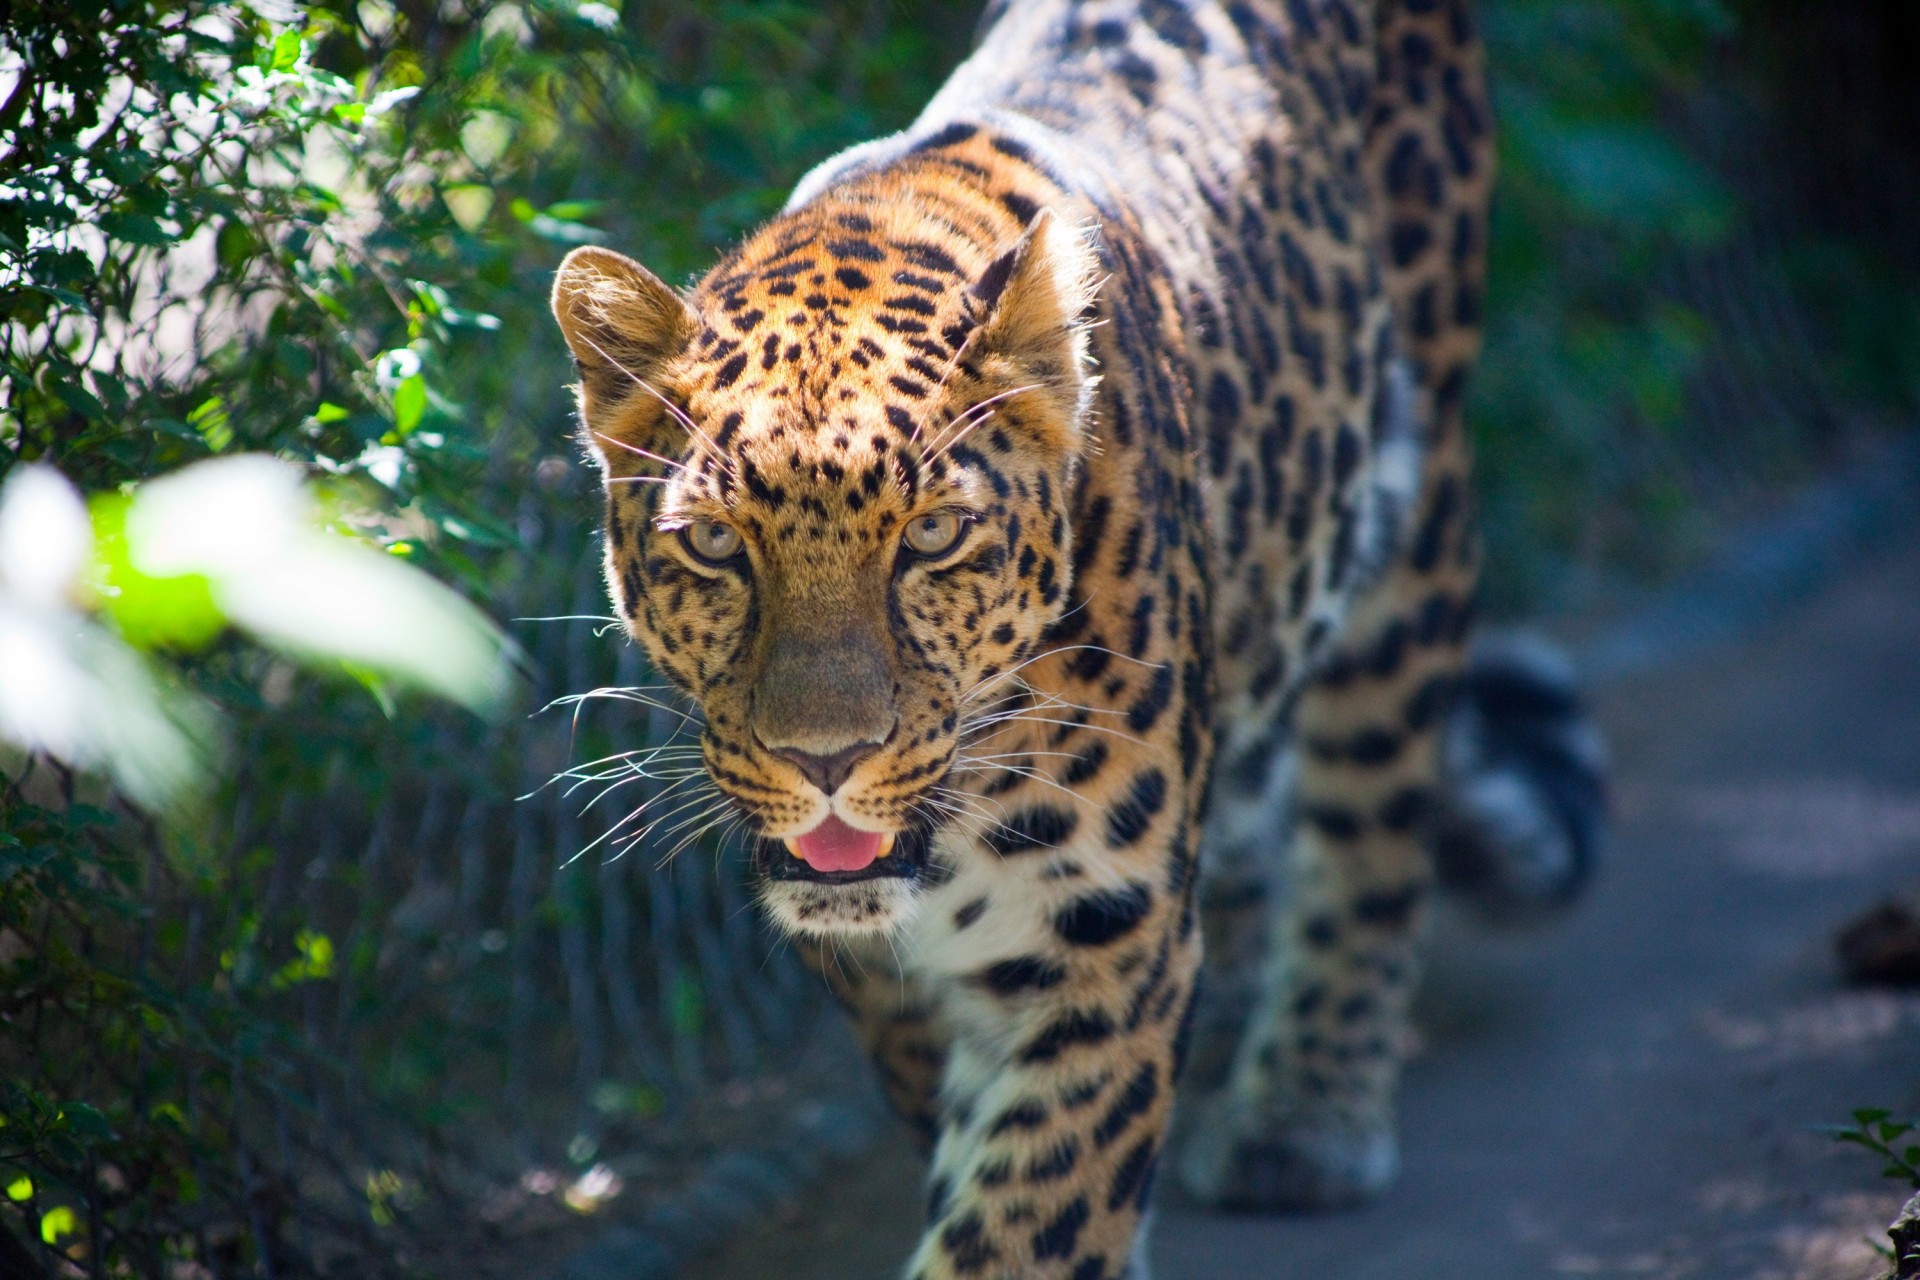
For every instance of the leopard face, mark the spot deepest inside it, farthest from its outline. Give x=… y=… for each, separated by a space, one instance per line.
x=837 y=477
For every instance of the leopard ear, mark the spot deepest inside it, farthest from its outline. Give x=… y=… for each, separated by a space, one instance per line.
x=622 y=322
x=1038 y=297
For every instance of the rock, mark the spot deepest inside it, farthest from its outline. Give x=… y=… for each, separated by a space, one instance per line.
x=1882 y=947
x=1905 y=1233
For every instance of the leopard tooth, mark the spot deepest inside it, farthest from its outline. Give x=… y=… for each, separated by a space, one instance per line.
x=886 y=845
x=793 y=847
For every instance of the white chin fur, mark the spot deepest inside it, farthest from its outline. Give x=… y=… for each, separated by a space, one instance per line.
x=840 y=910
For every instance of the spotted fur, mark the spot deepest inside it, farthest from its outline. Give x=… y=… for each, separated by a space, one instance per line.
x=1171 y=302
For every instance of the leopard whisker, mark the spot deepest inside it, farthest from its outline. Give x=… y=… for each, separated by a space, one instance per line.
x=622 y=763
x=983 y=685
x=570 y=617
x=701 y=823
x=1044 y=702
x=956 y=797
x=727 y=833
x=1052 y=698
x=968 y=422
x=614 y=828
x=693 y=800
x=614 y=784
x=988 y=403
x=644 y=453
x=1031 y=774
x=1077 y=724
x=679 y=414
x=626 y=759
x=623 y=771
x=627 y=693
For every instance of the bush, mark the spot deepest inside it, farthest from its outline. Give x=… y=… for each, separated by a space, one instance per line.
x=330 y=241
x=1674 y=331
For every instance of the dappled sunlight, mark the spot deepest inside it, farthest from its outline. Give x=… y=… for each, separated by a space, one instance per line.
x=1834 y=1026
x=1847 y=1243
x=1842 y=1244
x=1794 y=828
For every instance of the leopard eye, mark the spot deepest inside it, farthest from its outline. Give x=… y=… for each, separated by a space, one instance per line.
x=935 y=534
x=711 y=541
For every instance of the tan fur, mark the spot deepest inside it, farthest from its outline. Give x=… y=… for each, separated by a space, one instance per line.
x=1135 y=297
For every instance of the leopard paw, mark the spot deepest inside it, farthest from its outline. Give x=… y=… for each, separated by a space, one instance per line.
x=1275 y=1166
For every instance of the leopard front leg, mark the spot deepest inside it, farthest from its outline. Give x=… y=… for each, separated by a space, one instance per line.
x=1050 y=1139
x=1068 y=1014
x=894 y=1018
x=1305 y=1118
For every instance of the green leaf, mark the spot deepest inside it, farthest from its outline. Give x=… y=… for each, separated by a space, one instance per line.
x=173 y=613
x=286 y=51
x=67 y=296
x=211 y=420
x=314 y=962
x=574 y=210
x=85 y=1121
x=80 y=400
x=375 y=684
x=329 y=413
x=235 y=245
x=388 y=99
x=136 y=228
x=409 y=402
x=57 y=1223
x=549 y=227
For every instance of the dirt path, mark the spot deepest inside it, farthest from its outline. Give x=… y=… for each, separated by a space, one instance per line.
x=1629 y=1094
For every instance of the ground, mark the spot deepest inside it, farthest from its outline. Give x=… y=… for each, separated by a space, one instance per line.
x=1631 y=1093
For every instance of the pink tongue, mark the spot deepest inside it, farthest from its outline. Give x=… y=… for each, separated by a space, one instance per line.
x=835 y=846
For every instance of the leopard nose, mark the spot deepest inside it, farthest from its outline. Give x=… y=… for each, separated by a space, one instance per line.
x=827 y=772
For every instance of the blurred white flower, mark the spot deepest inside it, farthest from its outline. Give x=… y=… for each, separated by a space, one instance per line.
x=388 y=99
x=384 y=462
x=245 y=526
x=223 y=517
x=45 y=539
x=68 y=688
x=395 y=366
x=603 y=16
x=245 y=523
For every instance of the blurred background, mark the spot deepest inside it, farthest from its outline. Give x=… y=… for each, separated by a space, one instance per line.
x=326 y=973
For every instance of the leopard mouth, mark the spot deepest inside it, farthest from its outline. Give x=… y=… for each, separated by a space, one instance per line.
x=900 y=855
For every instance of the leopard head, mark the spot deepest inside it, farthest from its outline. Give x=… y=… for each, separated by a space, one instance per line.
x=837 y=474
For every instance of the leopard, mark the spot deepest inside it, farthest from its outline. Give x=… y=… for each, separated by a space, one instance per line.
x=1058 y=517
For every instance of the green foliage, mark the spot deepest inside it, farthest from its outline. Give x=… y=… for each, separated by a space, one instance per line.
x=1667 y=336
x=331 y=241
x=1586 y=366
x=1876 y=1131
